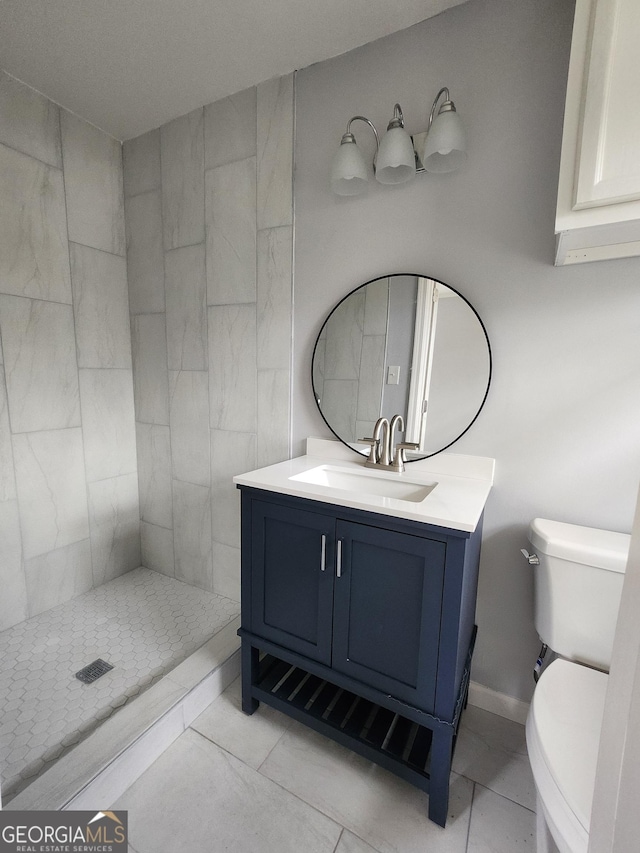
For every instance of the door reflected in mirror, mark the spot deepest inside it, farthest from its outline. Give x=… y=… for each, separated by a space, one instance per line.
x=402 y=344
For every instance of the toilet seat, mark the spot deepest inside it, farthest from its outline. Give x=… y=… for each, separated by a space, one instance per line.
x=563 y=736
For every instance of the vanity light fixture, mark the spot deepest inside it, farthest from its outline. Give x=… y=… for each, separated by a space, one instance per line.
x=445 y=148
x=442 y=148
x=396 y=161
x=349 y=170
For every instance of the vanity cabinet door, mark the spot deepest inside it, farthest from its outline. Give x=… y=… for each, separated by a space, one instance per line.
x=387 y=610
x=292 y=578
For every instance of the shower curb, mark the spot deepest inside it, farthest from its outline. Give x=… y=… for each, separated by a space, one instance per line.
x=101 y=768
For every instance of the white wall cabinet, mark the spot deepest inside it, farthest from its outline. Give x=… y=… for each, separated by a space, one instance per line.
x=598 y=212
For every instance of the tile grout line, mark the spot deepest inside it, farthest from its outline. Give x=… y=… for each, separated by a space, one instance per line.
x=128 y=196
x=268 y=779
x=261 y=765
x=16 y=496
x=339 y=840
x=161 y=190
x=273 y=781
x=55 y=166
x=473 y=796
x=315 y=807
x=97 y=249
x=301 y=799
x=91 y=531
x=502 y=796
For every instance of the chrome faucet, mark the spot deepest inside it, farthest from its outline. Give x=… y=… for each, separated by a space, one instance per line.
x=385 y=453
x=397 y=421
x=381 y=436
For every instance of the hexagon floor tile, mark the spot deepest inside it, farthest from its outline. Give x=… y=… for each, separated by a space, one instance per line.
x=142 y=623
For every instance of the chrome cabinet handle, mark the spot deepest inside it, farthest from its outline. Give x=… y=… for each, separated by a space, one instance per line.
x=323 y=552
x=339 y=559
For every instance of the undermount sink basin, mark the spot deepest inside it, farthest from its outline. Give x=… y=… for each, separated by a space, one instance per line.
x=448 y=490
x=365 y=483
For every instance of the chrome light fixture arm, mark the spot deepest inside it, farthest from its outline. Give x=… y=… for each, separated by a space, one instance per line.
x=447 y=105
x=398 y=118
x=349 y=137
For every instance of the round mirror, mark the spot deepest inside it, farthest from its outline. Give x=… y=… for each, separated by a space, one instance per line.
x=402 y=344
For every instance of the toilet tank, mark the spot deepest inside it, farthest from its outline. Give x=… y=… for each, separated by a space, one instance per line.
x=578 y=586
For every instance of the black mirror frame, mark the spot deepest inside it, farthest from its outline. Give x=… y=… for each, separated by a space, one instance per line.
x=371 y=281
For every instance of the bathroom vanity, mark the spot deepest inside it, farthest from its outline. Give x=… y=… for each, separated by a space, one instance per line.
x=358 y=607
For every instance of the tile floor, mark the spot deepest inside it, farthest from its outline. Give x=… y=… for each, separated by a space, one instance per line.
x=266 y=784
x=143 y=623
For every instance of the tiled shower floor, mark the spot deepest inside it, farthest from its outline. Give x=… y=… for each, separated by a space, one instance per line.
x=143 y=623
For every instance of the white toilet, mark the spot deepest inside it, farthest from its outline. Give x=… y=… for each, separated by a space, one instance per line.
x=578 y=584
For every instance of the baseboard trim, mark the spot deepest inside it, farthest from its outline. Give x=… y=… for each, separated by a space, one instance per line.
x=498 y=703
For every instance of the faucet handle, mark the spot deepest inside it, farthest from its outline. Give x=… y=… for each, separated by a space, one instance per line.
x=401 y=447
x=373 y=456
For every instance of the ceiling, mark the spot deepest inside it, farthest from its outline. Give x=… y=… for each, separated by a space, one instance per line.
x=128 y=66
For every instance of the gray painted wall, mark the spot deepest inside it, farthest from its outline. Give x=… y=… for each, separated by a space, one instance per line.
x=562 y=416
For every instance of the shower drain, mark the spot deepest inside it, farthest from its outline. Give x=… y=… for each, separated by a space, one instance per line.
x=93 y=671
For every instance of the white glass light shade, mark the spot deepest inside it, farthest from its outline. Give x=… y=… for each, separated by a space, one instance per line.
x=396 y=161
x=446 y=146
x=348 y=170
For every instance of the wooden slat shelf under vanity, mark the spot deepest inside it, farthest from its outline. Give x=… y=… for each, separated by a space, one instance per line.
x=382 y=735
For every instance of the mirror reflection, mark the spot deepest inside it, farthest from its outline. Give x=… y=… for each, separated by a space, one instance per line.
x=402 y=344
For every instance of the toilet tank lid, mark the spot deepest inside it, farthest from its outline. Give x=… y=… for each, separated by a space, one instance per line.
x=602 y=549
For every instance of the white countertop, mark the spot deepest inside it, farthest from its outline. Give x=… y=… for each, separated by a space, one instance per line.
x=462 y=484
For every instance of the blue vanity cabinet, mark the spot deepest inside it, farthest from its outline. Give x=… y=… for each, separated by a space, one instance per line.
x=361 y=626
x=387 y=608
x=292 y=557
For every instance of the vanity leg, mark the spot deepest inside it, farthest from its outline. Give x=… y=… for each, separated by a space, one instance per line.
x=250 y=663
x=441 y=748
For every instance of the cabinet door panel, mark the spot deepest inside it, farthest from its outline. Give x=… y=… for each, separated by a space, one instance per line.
x=608 y=169
x=291 y=593
x=387 y=611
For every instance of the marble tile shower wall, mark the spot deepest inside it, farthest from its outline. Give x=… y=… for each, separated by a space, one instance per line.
x=348 y=365
x=208 y=208
x=69 y=513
